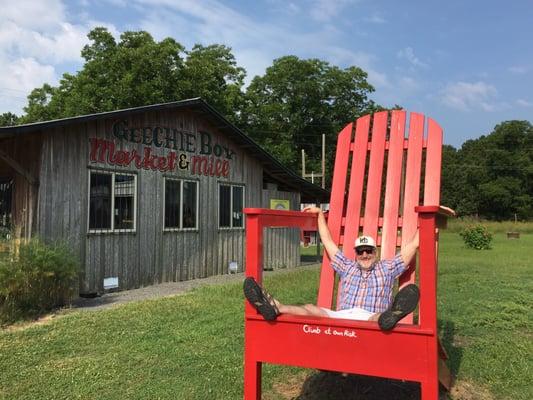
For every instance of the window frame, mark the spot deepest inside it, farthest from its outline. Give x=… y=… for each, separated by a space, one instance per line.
x=181 y=228
x=135 y=196
x=231 y=185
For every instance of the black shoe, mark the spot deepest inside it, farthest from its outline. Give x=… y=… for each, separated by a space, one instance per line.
x=404 y=303
x=260 y=299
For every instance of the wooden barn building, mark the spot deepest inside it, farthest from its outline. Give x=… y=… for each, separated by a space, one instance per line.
x=146 y=195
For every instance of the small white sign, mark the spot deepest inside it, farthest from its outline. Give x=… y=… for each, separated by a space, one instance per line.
x=111 y=283
x=233 y=267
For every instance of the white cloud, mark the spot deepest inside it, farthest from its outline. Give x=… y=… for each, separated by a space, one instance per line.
x=467 y=96
x=524 y=103
x=35 y=37
x=255 y=44
x=325 y=10
x=17 y=78
x=518 y=69
x=37 y=15
x=409 y=55
x=375 y=19
x=408 y=84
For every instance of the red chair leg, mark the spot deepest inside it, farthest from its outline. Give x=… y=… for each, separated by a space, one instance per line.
x=430 y=389
x=252 y=379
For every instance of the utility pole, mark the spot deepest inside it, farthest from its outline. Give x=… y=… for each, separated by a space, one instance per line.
x=312 y=175
x=323 y=179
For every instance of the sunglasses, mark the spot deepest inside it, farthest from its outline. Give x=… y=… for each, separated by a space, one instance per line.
x=361 y=250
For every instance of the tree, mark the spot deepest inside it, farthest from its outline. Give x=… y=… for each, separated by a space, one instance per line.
x=492 y=176
x=212 y=73
x=139 y=71
x=8 y=119
x=296 y=101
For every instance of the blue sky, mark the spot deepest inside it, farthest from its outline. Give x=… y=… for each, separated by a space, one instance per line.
x=466 y=63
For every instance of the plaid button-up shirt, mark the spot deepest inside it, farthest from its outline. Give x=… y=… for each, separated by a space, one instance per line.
x=370 y=289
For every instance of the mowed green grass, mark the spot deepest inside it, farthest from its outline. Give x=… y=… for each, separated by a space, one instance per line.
x=190 y=346
x=485 y=305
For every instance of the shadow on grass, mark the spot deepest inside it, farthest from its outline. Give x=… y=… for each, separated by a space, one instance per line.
x=310 y=259
x=323 y=385
x=93 y=302
x=452 y=343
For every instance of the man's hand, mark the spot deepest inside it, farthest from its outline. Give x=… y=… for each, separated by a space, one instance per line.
x=312 y=210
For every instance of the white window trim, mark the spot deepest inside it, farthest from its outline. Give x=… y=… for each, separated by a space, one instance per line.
x=180 y=228
x=112 y=229
x=231 y=227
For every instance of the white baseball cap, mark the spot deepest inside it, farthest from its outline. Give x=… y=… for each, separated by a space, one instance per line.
x=365 y=241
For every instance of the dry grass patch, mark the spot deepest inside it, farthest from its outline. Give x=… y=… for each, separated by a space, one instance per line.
x=466 y=390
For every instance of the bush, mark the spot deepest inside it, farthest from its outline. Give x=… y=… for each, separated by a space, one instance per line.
x=41 y=278
x=477 y=237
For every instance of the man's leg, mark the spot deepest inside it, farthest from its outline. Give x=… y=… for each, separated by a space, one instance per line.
x=270 y=308
x=404 y=303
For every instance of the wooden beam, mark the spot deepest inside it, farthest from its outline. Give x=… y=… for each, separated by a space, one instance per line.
x=19 y=168
x=445 y=377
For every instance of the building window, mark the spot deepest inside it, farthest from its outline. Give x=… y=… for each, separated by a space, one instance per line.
x=6 y=193
x=181 y=204
x=230 y=205
x=112 y=202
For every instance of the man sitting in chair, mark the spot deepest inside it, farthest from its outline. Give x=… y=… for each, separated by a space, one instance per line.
x=366 y=284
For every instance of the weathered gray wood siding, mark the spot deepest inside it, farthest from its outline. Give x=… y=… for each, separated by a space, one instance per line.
x=282 y=245
x=149 y=255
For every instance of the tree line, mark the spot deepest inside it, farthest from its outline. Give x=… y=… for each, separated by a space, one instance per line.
x=285 y=110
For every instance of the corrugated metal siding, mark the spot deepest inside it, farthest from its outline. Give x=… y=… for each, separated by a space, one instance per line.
x=150 y=255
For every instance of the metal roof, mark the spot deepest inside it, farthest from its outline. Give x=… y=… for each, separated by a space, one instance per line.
x=272 y=168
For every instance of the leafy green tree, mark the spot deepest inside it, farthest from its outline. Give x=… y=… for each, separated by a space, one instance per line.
x=8 y=119
x=492 y=176
x=139 y=71
x=212 y=73
x=296 y=101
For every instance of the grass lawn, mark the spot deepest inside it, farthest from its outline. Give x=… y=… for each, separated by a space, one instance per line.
x=190 y=346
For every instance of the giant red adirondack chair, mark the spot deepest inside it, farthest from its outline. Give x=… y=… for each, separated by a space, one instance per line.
x=370 y=150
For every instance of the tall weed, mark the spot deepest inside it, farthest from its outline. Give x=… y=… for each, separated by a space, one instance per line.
x=39 y=279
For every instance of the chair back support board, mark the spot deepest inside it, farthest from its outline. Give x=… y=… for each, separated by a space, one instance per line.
x=386 y=182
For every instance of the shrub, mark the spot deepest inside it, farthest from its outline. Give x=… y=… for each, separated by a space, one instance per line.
x=41 y=278
x=477 y=237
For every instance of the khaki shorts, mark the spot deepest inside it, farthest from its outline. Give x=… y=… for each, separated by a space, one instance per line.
x=350 y=313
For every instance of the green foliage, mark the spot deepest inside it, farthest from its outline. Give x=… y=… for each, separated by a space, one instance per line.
x=456 y=225
x=139 y=71
x=477 y=237
x=296 y=101
x=8 y=119
x=492 y=176
x=40 y=278
x=211 y=72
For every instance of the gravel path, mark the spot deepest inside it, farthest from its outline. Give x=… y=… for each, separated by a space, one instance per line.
x=165 y=289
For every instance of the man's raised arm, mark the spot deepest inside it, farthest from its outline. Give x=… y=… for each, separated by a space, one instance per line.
x=409 y=250
x=323 y=230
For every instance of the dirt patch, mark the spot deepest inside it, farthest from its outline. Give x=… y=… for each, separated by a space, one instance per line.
x=465 y=390
x=461 y=341
x=20 y=326
x=288 y=389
